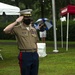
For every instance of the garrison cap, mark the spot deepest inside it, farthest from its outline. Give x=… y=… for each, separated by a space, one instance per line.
x=26 y=12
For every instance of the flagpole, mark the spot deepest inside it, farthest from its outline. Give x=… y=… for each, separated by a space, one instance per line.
x=67 y=31
x=54 y=26
x=61 y=35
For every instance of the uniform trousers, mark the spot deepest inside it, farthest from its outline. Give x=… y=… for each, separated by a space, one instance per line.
x=29 y=63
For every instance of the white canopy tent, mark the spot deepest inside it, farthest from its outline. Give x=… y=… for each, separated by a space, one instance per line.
x=9 y=9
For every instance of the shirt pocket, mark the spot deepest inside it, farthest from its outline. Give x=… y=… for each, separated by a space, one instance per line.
x=24 y=34
x=34 y=37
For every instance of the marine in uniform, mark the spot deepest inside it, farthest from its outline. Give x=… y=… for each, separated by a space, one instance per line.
x=27 y=38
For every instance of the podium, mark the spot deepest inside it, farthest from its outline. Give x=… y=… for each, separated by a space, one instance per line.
x=41 y=49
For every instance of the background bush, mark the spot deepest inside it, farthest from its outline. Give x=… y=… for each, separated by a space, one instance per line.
x=50 y=33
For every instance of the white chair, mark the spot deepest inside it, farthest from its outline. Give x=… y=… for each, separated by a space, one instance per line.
x=1 y=55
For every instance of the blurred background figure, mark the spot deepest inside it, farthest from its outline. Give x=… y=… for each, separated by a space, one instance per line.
x=42 y=31
x=32 y=23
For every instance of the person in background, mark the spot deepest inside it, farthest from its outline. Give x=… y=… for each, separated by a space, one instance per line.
x=32 y=23
x=42 y=31
x=27 y=38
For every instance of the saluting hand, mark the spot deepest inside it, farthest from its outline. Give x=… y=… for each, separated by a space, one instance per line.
x=19 y=19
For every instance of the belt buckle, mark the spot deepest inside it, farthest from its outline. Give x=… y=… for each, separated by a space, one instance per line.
x=33 y=50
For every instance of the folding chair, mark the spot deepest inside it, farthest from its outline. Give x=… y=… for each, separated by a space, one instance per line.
x=1 y=55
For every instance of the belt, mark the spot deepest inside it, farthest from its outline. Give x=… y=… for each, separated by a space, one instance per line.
x=28 y=50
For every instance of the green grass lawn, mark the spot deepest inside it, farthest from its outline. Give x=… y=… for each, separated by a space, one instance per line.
x=61 y=63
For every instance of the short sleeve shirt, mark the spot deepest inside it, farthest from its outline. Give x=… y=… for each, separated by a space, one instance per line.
x=25 y=39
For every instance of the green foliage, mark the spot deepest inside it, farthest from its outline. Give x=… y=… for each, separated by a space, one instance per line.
x=5 y=36
x=36 y=13
x=23 y=4
x=50 y=33
x=64 y=26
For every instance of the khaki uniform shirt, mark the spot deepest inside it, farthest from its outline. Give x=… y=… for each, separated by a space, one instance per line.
x=26 y=39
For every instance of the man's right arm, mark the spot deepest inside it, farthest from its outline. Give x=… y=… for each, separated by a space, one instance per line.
x=10 y=26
